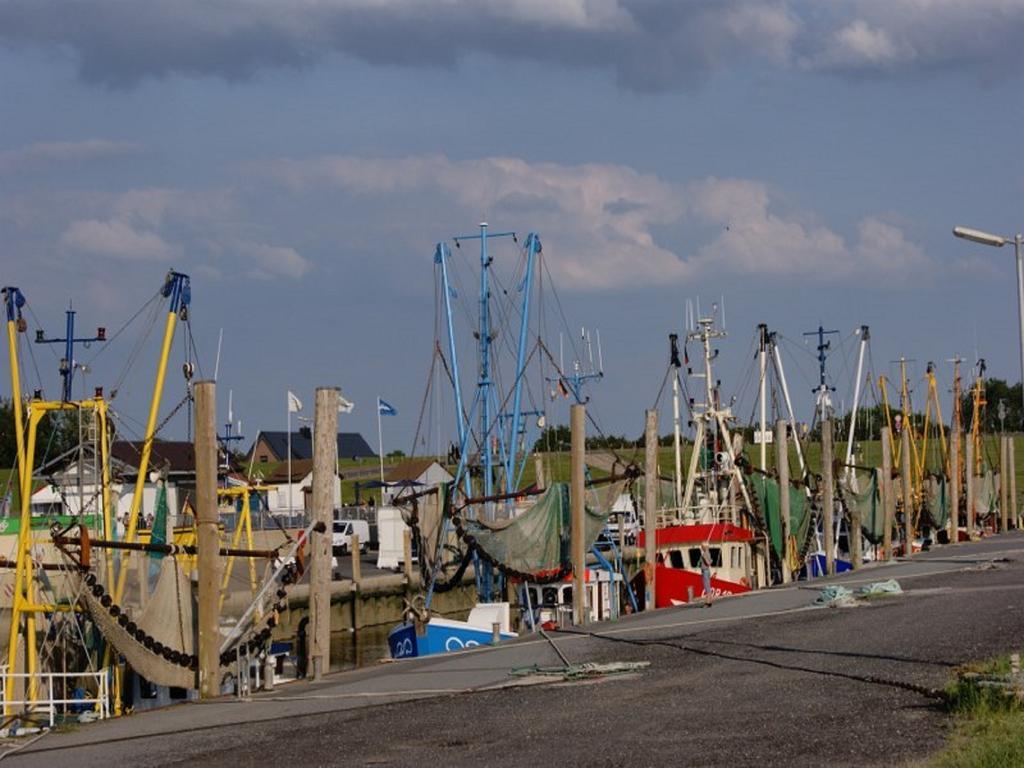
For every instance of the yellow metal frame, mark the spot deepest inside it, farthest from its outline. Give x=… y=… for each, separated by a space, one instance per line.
x=930 y=403
x=24 y=606
x=978 y=398
x=244 y=523
x=147 y=445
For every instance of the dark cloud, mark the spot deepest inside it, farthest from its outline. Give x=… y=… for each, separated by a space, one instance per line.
x=644 y=44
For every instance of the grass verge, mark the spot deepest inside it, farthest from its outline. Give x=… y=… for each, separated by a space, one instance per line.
x=988 y=729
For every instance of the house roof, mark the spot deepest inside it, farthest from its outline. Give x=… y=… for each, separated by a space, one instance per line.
x=410 y=469
x=178 y=455
x=350 y=445
x=300 y=468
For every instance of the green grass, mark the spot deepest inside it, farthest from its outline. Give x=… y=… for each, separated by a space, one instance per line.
x=988 y=723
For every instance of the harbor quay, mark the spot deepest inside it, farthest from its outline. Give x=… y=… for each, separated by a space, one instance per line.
x=773 y=677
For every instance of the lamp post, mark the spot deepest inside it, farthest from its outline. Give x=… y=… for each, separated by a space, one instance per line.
x=998 y=241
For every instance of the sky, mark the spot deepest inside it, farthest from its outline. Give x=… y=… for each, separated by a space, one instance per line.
x=802 y=162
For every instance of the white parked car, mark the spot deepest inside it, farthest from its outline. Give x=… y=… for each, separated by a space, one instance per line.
x=341 y=536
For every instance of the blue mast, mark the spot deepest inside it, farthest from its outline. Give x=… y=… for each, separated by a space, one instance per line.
x=484 y=387
x=441 y=256
x=67 y=363
x=512 y=472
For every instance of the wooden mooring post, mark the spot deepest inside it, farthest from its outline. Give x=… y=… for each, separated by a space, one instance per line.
x=782 y=469
x=1013 y=483
x=954 y=486
x=1004 y=484
x=971 y=488
x=828 y=496
x=207 y=539
x=325 y=470
x=577 y=491
x=357 y=577
x=908 y=489
x=650 y=505
x=888 y=494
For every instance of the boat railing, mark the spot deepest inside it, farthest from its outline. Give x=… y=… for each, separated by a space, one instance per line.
x=52 y=693
x=701 y=515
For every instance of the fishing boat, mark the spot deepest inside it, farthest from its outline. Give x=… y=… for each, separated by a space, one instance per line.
x=486 y=518
x=714 y=509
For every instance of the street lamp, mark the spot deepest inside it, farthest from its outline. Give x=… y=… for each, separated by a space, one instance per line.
x=998 y=241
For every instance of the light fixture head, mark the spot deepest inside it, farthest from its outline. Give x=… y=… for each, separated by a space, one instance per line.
x=978 y=236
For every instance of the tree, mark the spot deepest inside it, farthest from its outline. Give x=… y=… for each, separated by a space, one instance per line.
x=995 y=391
x=57 y=434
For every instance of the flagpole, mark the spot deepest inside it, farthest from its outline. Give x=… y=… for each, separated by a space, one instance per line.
x=380 y=449
x=288 y=399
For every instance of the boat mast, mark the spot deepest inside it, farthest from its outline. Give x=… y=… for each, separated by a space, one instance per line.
x=675 y=364
x=513 y=469
x=781 y=373
x=824 y=400
x=762 y=359
x=711 y=413
x=865 y=337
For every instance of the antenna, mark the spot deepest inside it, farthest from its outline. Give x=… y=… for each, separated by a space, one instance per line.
x=823 y=349
x=723 y=311
x=600 y=358
x=216 y=365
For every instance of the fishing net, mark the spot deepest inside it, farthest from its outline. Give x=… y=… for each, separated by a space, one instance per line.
x=537 y=539
x=768 y=498
x=666 y=494
x=986 y=493
x=859 y=491
x=166 y=622
x=937 y=499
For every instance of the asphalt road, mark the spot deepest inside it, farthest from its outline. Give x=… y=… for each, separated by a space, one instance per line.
x=760 y=680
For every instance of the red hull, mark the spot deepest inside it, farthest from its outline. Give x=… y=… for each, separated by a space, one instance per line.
x=689 y=534
x=672 y=586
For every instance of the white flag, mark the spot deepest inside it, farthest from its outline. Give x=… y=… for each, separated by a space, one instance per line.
x=294 y=404
x=345 y=405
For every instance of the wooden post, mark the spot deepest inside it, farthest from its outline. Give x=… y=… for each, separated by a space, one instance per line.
x=577 y=489
x=650 y=505
x=1013 y=482
x=954 y=486
x=538 y=471
x=782 y=468
x=207 y=539
x=908 y=488
x=1004 y=485
x=828 y=496
x=888 y=494
x=971 y=486
x=357 y=576
x=855 y=536
x=325 y=469
x=407 y=557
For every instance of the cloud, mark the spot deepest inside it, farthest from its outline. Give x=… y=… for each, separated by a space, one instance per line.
x=116 y=239
x=600 y=224
x=209 y=230
x=271 y=261
x=645 y=44
x=42 y=153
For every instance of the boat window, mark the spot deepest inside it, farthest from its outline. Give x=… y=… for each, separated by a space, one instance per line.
x=735 y=556
x=567 y=595
x=716 y=557
x=676 y=558
x=550 y=596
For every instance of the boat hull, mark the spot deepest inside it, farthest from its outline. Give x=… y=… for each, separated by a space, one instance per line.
x=675 y=586
x=439 y=636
